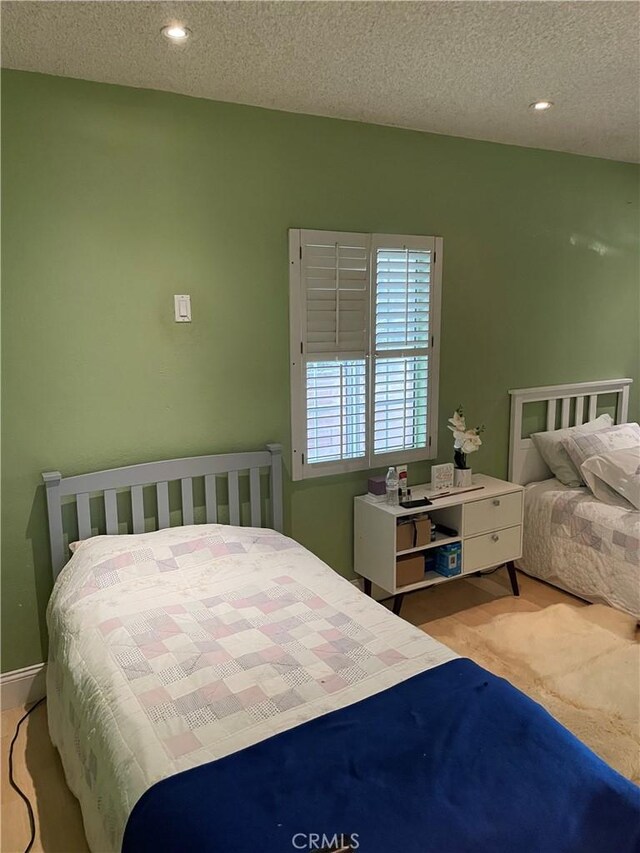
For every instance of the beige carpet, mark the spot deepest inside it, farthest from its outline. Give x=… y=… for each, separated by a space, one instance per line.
x=581 y=663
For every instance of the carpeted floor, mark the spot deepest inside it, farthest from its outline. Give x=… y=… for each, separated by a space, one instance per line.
x=581 y=663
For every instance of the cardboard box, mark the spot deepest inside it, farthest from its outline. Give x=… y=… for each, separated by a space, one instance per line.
x=409 y=569
x=404 y=534
x=413 y=532
x=423 y=530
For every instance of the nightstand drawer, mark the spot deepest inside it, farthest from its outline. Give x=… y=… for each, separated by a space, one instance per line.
x=481 y=552
x=492 y=513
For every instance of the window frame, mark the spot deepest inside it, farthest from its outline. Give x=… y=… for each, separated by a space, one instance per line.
x=301 y=470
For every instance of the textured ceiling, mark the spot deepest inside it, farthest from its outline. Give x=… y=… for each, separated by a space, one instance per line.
x=460 y=68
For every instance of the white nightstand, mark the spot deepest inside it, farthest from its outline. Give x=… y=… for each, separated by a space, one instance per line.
x=487 y=522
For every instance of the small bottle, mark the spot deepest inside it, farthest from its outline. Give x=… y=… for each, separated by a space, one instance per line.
x=392 y=481
x=404 y=483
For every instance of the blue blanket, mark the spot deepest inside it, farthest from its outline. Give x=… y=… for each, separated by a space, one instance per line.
x=451 y=760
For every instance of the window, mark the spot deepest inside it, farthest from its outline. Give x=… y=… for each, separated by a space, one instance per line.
x=365 y=322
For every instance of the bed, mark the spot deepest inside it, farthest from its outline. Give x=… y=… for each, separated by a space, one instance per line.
x=571 y=539
x=214 y=686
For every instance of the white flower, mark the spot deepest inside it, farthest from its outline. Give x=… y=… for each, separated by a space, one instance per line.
x=464 y=440
x=471 y=441
x=458 y=423
x=458 y=439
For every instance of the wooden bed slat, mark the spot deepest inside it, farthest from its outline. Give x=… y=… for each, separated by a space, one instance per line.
x=551 y=414
x=162 y=496
x=84 y=516
x=186 y=486
x=111 y=511
x=210 y=498
x=622 y=409
x=234 y=498
x=593 y=406
x=59 y=554
x=254 y=488
x=276 y=486
x=566 y=408
x=137 y=509
x=579 y=410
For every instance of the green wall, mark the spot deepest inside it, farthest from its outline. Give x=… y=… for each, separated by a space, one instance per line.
x=114 y=199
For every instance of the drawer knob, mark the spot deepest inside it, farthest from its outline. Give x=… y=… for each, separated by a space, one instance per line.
x=495 y=537
x=496 y=502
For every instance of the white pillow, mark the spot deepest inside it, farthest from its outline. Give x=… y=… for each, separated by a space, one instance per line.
x=583 y=447
x=549 y=445
x=614 y=476
x=608 y=443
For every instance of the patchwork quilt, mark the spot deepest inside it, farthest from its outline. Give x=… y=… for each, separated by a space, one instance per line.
x=472 y=766
x=583 y=544
x=172 y=649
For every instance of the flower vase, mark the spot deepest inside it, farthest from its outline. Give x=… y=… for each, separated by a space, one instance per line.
x=462 y=477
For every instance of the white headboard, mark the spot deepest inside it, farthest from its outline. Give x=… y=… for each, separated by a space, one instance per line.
x=525 y=463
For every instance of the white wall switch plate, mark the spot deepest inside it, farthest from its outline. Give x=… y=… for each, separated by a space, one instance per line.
x=182 y=307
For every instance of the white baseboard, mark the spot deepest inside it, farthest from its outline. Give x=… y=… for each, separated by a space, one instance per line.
x=22 y=686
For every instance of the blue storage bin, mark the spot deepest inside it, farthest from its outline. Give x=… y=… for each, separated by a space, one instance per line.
x=449 y=560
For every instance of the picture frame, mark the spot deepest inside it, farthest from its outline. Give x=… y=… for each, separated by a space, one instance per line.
x=442 y=477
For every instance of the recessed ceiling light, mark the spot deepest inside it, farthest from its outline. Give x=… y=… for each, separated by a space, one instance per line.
x=540 y=106
x=176 y=32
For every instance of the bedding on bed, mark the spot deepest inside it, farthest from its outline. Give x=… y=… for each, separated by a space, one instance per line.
x=582 y=544
x=172 y=649
x=614 y=476
x=453 y=760
x=609 y=463
x=582 y=447
x=551 y=446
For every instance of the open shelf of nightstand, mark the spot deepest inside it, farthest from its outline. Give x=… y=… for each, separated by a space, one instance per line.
x=440 y=540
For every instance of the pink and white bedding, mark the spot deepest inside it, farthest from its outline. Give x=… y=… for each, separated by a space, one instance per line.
x=174 y=648
x=583 y=545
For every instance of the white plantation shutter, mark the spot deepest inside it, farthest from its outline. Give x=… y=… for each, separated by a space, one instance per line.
x=403 y=279
x=364 y=317
x=330 y=340
x=400 y=404
x=335 y=275
x=402 y=343
x=336 y=410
